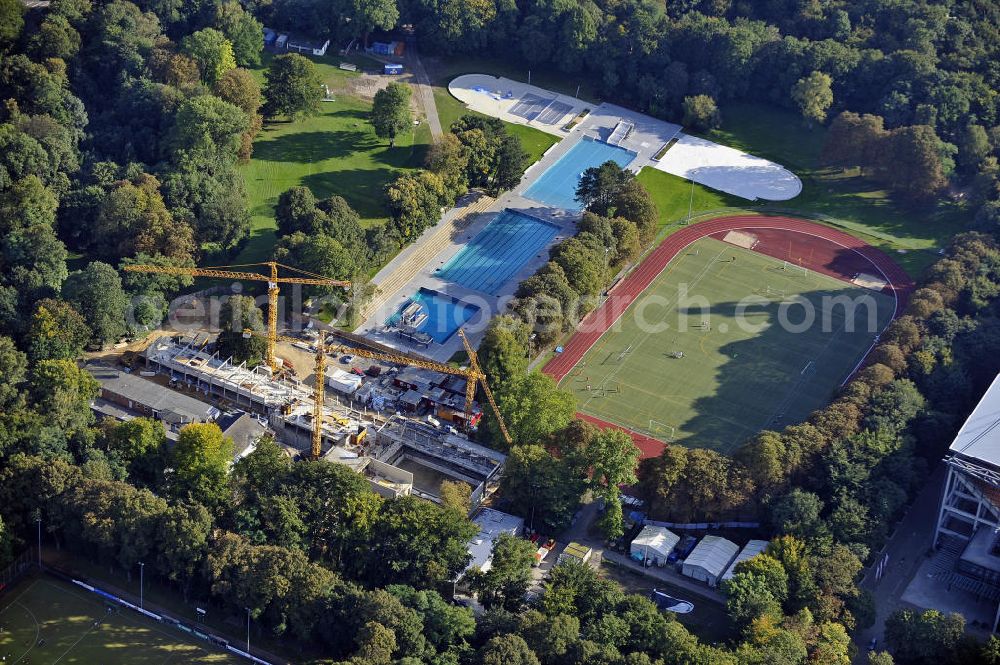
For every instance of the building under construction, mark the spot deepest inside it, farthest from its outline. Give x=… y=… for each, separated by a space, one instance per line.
x=398 y=453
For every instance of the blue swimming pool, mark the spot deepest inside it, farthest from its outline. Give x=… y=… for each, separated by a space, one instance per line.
x=557 y=186
x=498 y=252
x=439 y=315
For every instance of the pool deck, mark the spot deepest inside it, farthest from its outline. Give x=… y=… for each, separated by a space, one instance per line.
x=648 y=136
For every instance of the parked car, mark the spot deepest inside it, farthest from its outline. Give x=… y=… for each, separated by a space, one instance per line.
x=346 y=360
x=668 y=603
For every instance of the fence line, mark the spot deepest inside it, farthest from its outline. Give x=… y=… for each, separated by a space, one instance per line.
x=704 y=526
x=21 y=565
x=163 y=618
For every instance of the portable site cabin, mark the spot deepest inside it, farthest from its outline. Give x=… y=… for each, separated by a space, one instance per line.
x=392 y=69
x=654 y=543
x=749 y=551
x=709 y=559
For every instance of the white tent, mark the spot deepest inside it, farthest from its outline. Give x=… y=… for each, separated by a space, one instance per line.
x=710 y=559
x=654 y=542
x=749 y=551
x=343 y=382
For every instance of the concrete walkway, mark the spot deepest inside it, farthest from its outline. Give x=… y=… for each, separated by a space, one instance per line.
x=424 y=90
x=912 y=538
x=400 y=272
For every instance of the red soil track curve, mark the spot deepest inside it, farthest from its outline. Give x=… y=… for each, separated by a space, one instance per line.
x=825 y=244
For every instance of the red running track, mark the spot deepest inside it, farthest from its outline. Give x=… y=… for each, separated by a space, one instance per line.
x=830 y=251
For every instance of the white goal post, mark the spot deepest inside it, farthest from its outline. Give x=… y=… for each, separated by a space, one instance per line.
x=794 y=267
x=656 y=428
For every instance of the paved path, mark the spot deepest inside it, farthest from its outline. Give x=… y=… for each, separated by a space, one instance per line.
x=911 y=539
x=424 y=90
x=579 y=533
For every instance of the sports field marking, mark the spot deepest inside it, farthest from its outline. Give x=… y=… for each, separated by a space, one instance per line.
x=119 y=638
x=38 y=630
x=742 y=380
x=667 y=305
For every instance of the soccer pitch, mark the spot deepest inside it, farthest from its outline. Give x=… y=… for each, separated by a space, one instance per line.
x=688 y=363
x=44 y=620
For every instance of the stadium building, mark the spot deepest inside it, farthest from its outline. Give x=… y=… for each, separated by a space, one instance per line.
x=968 y=525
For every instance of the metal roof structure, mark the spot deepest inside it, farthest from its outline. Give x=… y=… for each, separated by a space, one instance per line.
x=978 y=440
x=712 y=555
x=168 y=405
x=491 y=524
x=749 y=551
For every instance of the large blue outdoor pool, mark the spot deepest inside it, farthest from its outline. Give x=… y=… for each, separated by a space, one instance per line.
x=444 y=314
x=557 y=186
x=498 y=252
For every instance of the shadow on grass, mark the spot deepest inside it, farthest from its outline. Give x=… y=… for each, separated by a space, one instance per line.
x=363 y=189
x=313 y=147
x=779 y=375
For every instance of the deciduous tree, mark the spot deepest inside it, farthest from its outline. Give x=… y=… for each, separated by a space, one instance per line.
x=201 y=459
x=814 y=95
x=212 y=51
x=701 y=112
x=96 y=292
x=506 y=581
x=292 y=87
x=243 y=31
x=391 y=113
x=56 y=332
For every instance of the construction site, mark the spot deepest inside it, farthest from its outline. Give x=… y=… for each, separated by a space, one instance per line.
x=401 y=419
x=402 y=427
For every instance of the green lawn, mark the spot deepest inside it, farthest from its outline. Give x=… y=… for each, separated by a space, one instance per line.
x=675 y=197
x=334 y=152
x=738 y=375
x=449 y=109
x=46 y=620
x=327 y=66
x=856 y=204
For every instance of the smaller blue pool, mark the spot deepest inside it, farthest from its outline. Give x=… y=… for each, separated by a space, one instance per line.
x=498 y=252
x=433 y=313
x=557 y=186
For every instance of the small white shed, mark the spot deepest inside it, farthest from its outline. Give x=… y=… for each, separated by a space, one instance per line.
x=710 y=559
x=749 y=551
x=654 y=542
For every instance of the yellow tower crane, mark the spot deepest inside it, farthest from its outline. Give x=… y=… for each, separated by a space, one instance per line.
x=472 y=375
x=272 y=279
x=474 y=365
x=319 y=389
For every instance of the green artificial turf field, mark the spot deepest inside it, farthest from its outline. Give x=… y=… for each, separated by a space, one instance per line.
x=738 y=374
x=45 y=620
